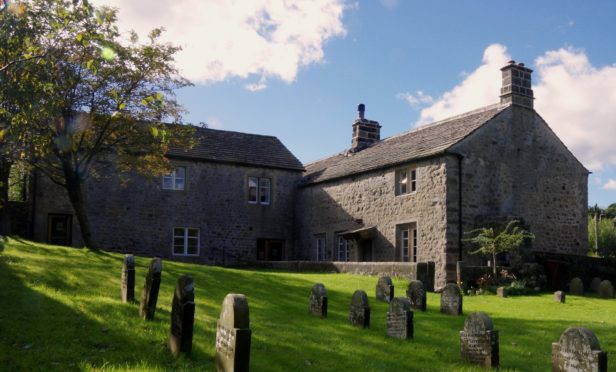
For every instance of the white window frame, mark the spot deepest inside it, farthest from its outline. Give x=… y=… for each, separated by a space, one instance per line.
x=262 y=187
x=343 y=248
x=406 y=181
x=320 y=245
x=173 y=177
x=407 y=241
x=185 y=236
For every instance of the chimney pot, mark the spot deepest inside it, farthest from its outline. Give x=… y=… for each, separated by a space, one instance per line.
x=361 y=109
x=511 y=62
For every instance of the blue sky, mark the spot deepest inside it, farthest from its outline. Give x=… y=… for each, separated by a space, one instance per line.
x=298 y=71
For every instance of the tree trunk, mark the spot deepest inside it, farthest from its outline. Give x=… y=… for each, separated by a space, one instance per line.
x=494 y=265
x=5 y=216
x=74 y=187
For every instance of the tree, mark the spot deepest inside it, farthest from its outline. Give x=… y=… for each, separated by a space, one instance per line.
x=81 y=102
x=610 y=211
x=490 y=242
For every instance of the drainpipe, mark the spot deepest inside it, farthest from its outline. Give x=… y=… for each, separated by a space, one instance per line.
x=460 y=232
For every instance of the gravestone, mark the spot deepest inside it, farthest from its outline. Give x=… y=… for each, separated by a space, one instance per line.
x=400 y=319
x=128 y=278
x=594 y=284
x=182 y=316
x=233 y=335
x=479 y=341
x=359 y=312
x=559 y=296
x=425 y=273
x=501 y=292
x=606 y=289
x=317 y=305
x=576 y=287
x=578 y=350
x=416 y=293
x=451 y=299
x=384 y=289
x=149 y=296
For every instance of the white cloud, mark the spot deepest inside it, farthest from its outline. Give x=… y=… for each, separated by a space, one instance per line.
x=610 y=185
x=255 y=87
x=416 y=99
x=573 y=96
x=390 y=4
x=479 y=88
x=227 y=39
x=213 y=122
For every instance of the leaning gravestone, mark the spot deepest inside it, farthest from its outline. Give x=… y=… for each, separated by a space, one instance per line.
x=479 y=341
x=594 y=284
x=416 y=293
x=451 y=300
x=576 y=287
x=501 y=292
x=128 y=278
x=317 y=305
x=400 y=319
x=149 y=296
x=606 y=289
x=233 y=335
x=559 y=296
x=182 y=316
x=578 y=350
x=359 y=312
x=384 y=289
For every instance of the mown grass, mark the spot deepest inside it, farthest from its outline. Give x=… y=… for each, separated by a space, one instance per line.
x=60 y=309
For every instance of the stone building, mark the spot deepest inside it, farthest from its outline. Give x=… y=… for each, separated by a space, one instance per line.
x=241 y=197
x=229 y=200
x=412 y=196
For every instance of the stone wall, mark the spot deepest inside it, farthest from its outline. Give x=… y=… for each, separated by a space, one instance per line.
x=139 y=217
x=516 y=167
x=369 y=200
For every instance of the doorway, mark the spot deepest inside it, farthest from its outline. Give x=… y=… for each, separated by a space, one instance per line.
x=59 y=229
x=365 y=250
x=270 y=249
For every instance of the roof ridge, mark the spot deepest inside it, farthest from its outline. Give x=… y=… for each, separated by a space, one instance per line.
x=234 y=131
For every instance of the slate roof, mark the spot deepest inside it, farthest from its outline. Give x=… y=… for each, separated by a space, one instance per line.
x=239 y=148
x=425 y=141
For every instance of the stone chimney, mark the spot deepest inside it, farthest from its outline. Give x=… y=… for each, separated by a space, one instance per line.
x=365 y=132
x=517 y=88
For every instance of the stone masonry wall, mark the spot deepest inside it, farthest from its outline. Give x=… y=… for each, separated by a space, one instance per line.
x=515 y=166
x=140 y=216
x=369 y=200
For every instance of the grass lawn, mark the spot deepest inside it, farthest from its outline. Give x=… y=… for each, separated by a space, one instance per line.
x=60 y=309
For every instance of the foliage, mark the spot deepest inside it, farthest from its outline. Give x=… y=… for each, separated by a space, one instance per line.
x=61 y=310
x=79 y=101
x=606 y=241
x=491 y=242
x=610 y=211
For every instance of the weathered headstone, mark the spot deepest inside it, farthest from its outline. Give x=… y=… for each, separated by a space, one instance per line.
x=233 y=335
x=317 y=305
x=359 y=312
x=128 y=279
x=559 y=296
x=451 y=299
x=606 y=289
x=416 y=293
x=479 y=341
x=594 y=284
x=576 y=287
x=501 y=292
x=400 y=319
x=182 y=316
x=384 y=289
x=578 y=350
x=149 y=295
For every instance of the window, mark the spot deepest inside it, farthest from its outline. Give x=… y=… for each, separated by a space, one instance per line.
x=343 y=249
x=185 y=241
x=406 y=181
x=407 y=242
x=175 y=180
x=259 y=190
x=320 y=247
